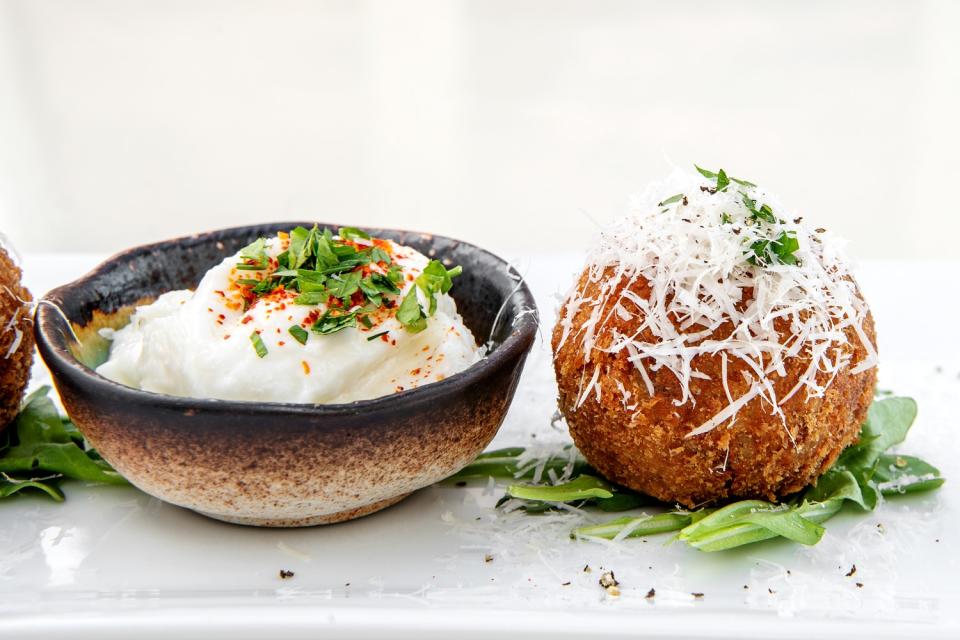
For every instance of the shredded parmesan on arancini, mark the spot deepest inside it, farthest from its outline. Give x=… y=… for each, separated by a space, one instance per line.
x=694 y=252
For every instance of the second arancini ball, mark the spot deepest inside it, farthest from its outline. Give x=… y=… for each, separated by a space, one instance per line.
x=16 y=338
x=714 y=347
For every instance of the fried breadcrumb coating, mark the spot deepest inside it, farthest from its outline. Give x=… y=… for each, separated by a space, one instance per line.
x=16 y=338
x=640 y=443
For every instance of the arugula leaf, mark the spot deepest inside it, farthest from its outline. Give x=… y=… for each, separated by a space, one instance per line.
x=68 y=459
x=861 y=474
x=508 y=464
x=46 y=484
x=644 y=525
x=582 y=487
x=44 y=443
x=756 y=523
x=838 y=483
x=39 y=421
x=623 y=500
x=896 y=474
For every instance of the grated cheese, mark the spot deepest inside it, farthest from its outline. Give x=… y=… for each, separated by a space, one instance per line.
x=693 y=256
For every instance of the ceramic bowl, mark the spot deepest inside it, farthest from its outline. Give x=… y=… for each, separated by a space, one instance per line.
x=277 y=464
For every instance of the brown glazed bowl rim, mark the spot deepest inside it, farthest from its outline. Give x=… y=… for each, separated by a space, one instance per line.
x=53 y=340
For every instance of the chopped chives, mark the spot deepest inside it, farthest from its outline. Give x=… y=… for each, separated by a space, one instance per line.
x=299 y=333
x=258 y=345
x=377 y=335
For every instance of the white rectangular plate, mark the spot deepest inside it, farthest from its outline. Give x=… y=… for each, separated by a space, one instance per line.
x=112 y=562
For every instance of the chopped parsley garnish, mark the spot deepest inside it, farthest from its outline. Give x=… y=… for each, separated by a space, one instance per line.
x=671 y=200
x=258 y=345
x=254 y=256
x=763 y=252
x=351 y=274
x=723 y=181
x=772 y=250
x=334 y=320
x=435 y=279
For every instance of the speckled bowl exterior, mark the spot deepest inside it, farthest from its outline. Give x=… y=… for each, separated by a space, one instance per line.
x=276 y=464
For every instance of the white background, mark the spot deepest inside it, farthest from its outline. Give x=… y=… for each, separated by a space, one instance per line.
x=508 y=124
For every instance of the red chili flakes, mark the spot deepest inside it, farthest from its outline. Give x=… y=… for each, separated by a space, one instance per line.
x=410 y=277
x=281 y=343
x=220 y=293
x=312 y=317
x=306 y=367
x=278 y=329
x=385 y=337
x=415 y=372
x=426 y=348
x=226 y=336
x=393 y=343
x=385 y=245
x=399 y=388
x=209 y=309
x=247 y=319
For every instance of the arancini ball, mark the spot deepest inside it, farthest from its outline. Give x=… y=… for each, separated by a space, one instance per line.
x=16 y=338
x=714 y=346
